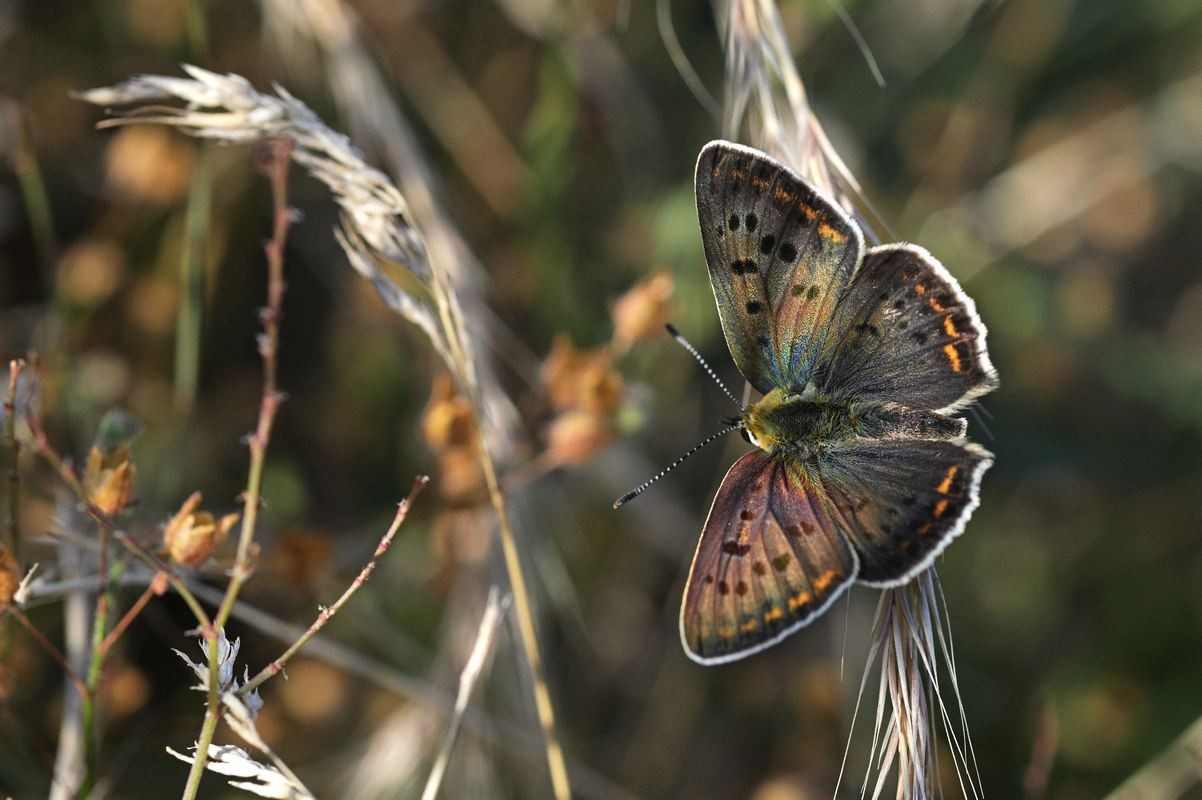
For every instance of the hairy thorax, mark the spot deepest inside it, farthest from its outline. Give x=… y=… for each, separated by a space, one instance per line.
x=809 y=422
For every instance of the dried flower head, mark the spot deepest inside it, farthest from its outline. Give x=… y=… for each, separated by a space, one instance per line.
x=448 y=418
x=643 y=311
x=459 y=479
x=575 y=436
x=191 y=536
x=561 y=370
x=109 y=479
x=146 y=163
x=10 y=577
x=449 y=427
x=600 y=388
x=90 y=271
x=584 y=379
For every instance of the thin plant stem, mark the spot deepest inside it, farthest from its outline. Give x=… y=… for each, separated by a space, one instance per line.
x=521 y=605
x=327 y=613
x=49 y=647
x=370 y=231
x=37 y=201
x=467 y=681
x=198 y=31
x=67 y=475
x=451 y=316
x=515 y=738
x=446 y=300
x=192 y=275
x=452 y=321
x=155 y=587
x=1169 y=774
x=87 y=689
x=14 y=476
x=104 y=600
x=279 y=160
x=63 y=469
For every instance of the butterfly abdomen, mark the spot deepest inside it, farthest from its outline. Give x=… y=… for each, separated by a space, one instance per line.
x=890 y=421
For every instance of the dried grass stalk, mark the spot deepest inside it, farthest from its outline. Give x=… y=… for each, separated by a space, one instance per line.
x=376 y=226
x=764 y=94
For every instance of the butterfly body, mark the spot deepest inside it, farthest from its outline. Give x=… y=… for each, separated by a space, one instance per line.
x=803 y=425
x=862 y=472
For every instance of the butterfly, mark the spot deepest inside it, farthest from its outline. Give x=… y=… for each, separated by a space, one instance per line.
x=862 y=472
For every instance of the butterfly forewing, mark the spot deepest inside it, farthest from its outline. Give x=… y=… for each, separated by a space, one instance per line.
x=900 y=503
x=908 y=334
x=770 y=560
x=780 y=256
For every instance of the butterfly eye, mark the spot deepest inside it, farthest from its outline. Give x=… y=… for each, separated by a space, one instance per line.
x=746 y=436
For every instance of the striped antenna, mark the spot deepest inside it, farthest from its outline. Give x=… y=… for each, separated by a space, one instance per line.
x=679 y=337
x=626 y=498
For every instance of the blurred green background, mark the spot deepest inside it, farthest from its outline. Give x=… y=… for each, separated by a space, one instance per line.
x=1048 y=153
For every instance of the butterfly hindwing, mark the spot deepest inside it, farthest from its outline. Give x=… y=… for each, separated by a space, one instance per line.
x=908 y=334
x=901 y=502
x=769 y=561
x=780 y=256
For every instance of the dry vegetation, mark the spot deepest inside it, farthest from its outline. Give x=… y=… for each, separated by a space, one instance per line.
x=216 y=433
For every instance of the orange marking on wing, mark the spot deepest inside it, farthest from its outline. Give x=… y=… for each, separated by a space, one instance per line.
x=798 y=600
x=949 y=327
x=809 y=211
x=773 y=614
x=749 y=626
x=716 y=172
x=759 y=183
x=781 y=195
x=737 y=174
x=827 y=232
x=946 y=485
x=952 y=356
x=726 y=631
x=940 y=507
x=824 y=580
x=925 y=527
x=918 y=287
x=935 y=305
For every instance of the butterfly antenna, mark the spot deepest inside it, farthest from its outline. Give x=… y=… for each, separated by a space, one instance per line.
x=679 y=337
x=626 y=498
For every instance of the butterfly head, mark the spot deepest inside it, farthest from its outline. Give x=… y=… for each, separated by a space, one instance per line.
x=781 y=420
x=761 y=422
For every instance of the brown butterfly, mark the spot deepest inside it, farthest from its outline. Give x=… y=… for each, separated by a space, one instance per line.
x=863 y=357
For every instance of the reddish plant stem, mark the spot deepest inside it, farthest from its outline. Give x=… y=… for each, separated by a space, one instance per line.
x=155 y=588
x=68 y=476
x=54 y=652
x=279 y=161
x=327 y=613
x=14 y=477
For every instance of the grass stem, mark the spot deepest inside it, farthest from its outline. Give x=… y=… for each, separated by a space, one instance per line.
x=467 y=681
